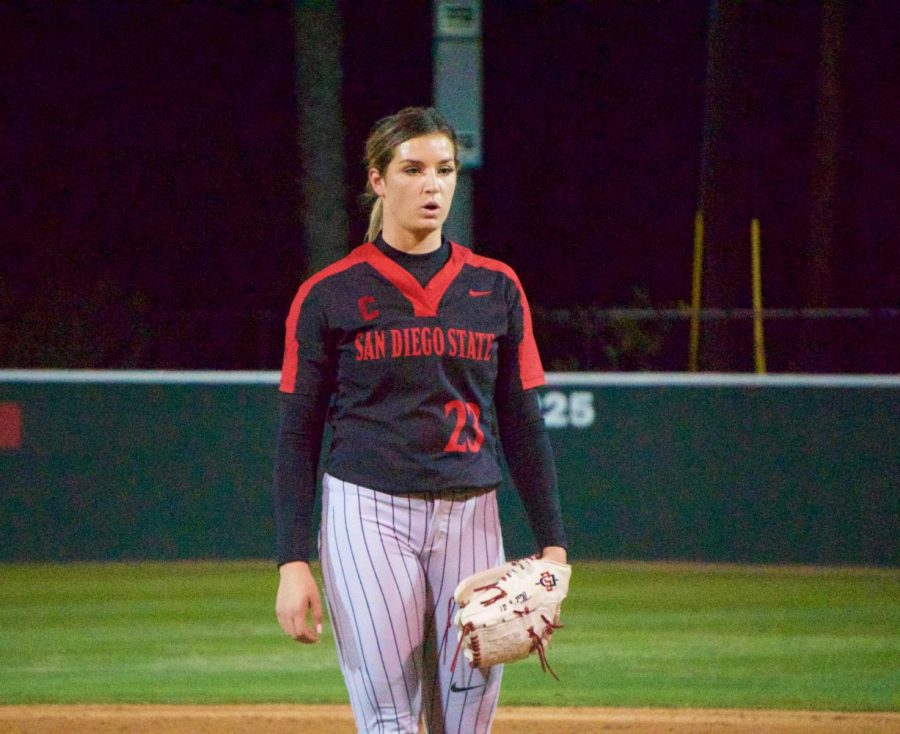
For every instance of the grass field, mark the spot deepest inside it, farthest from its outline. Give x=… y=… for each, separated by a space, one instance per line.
x=636 y=635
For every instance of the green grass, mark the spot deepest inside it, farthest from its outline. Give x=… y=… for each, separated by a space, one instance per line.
x=636 y=635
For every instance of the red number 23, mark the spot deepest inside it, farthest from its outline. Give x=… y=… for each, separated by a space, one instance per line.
x=463 y=412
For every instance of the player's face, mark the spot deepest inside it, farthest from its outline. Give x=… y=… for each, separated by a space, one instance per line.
x=417 y=187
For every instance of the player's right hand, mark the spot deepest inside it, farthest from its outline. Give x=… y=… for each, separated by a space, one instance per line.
x=298 y=596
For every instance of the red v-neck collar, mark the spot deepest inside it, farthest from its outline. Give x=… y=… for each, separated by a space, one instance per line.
x=425 y=300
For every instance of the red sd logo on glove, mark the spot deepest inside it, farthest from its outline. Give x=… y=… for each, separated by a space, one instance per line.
x=547 y=580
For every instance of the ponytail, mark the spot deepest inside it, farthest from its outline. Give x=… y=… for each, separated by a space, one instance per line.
x=376 y=218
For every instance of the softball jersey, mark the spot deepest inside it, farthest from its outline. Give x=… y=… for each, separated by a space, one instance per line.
x=421 y=364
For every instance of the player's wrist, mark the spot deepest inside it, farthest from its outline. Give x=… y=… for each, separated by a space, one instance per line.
x=555 y=553
x=293 y=568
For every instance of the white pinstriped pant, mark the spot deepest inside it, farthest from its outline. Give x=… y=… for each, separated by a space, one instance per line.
x=390 y=564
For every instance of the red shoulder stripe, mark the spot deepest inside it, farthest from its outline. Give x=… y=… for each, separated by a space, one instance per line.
x=531 y=371
x=291 y=347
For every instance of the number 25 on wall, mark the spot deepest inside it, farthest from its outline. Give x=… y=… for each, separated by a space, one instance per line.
x=562 y=410
x=464 y=412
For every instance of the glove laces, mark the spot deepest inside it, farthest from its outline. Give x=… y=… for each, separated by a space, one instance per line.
x=537 y=644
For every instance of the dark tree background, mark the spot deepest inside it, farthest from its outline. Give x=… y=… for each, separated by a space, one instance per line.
x=151 y=177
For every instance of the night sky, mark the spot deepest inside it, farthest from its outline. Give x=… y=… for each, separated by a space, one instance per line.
x=151 y=180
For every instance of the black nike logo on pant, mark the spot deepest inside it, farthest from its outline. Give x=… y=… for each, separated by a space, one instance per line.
x=457 y=689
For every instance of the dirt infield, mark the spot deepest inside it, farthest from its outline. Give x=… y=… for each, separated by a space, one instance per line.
x=288 y=719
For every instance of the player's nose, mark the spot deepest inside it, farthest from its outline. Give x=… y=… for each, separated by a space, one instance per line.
x=432 y=181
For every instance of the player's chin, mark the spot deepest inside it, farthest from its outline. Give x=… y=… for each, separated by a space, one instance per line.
x=423 y=228
x=431 y=220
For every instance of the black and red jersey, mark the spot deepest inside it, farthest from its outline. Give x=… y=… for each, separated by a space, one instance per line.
x=416 y=371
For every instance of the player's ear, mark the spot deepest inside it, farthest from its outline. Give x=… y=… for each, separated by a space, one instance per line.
x=376 y=181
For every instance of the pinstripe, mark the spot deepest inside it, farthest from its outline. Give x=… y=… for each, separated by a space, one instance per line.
x=467 y=528
x=461 y=536
x=430 y=654
x=410 y=636
x=436 y=699
x=460 y=710
x=328 y=583
x=493 y=557
x=484 y=530
x=338 y=620
x=372 y=688
x=363 y=672
x=446 y=677
x=417 y=548
x=409 y=526
x=390 y=616
x=426 y=530
x=362 y=586
x=439 y=594
x=429 y=647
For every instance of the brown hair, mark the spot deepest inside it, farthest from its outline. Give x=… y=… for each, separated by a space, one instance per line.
x=385 y=136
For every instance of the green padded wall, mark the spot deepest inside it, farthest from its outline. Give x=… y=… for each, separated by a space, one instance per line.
x=169 y=466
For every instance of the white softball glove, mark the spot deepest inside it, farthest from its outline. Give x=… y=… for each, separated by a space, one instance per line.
x=509 y=612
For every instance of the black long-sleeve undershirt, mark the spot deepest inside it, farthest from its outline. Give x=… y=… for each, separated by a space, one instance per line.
x=529 y=456
x=301 y=424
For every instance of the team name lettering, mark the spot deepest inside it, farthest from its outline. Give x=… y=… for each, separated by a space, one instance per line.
x=370 y=345
x=423 y=341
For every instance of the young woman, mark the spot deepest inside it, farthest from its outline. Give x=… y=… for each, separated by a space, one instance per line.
x=420 y=355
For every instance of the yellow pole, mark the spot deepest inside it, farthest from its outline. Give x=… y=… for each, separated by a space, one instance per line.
x=759 y=350
x=693 y=357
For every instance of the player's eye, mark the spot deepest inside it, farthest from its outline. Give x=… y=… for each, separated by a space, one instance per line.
x=411 y=170
x=446 y=169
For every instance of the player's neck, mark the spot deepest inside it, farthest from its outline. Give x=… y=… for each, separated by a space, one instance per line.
x=411 y=242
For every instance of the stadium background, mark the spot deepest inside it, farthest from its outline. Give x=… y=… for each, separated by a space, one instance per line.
x=155 y=182
x=156 y=216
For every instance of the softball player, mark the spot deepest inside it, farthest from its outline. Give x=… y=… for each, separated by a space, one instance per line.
x=420 y=355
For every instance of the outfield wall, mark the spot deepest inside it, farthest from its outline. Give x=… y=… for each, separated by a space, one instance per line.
x=163 y=465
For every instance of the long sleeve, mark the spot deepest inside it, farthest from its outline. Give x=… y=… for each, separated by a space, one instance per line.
x=301 y=421
x=523 y=435
x=530 y=458
x=307 y=382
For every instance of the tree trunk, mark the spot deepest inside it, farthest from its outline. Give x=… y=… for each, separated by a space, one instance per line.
x=826 y=138
x=320 y=133
x=724 y=193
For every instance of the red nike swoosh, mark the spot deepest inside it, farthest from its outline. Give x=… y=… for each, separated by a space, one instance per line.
x=475 y=294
